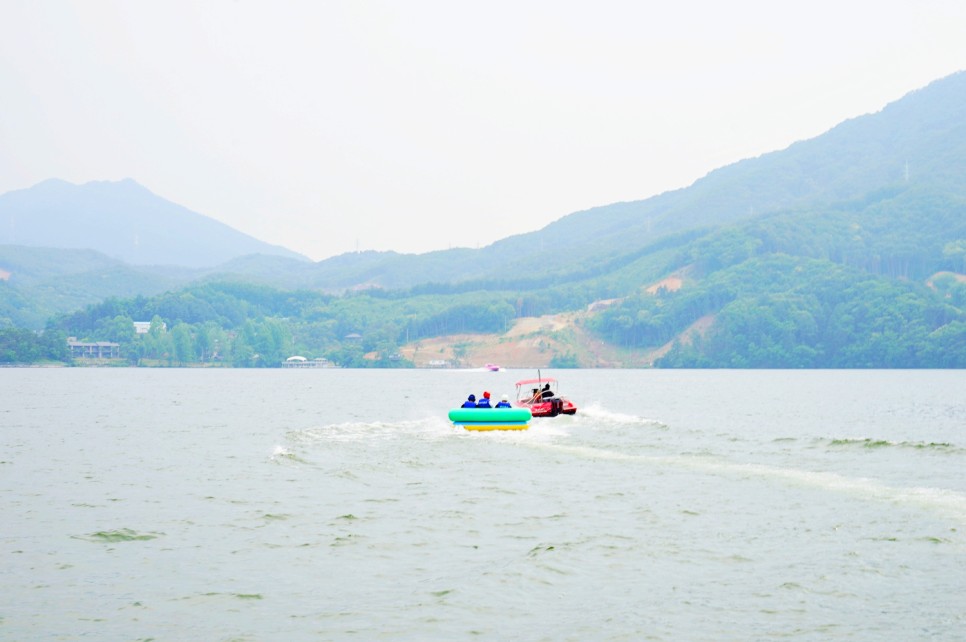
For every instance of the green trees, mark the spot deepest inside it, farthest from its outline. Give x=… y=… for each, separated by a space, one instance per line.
x=271 y=340
x=18 y=345
x=644 y=320
x=255 y=326
x=872 y=282
x=182 y=343
x=803 y=314
x=853 y=284
x=471 y=316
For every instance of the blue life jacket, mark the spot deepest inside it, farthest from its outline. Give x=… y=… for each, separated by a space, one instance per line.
x=483 y=403
x=468 y=404
x=504 y=404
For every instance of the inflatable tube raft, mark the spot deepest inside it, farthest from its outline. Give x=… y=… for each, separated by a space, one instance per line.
x=491 y=418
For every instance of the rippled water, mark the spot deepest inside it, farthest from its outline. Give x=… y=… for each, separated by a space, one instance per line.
x=340 y=504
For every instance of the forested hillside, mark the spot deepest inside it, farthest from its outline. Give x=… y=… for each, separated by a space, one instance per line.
x=38 y=283
x=848 y=250
x=918 y=141
x=257 y=326
x=875 y=282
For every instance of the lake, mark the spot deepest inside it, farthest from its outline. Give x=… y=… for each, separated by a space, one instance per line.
x=181 y=504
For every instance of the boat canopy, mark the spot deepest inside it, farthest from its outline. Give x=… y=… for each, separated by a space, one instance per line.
x=530 y=382
x=526 y=388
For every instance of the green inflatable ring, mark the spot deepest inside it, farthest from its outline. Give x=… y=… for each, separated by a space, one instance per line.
x=491 y=418
x=489 y=415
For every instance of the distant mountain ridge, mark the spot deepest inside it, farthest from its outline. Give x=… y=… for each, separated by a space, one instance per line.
x=123 y=220
x=918 y=141
x=900 y=169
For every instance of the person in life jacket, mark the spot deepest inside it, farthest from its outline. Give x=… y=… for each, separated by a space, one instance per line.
x=470 y=402
x=504 y=402
x=484 y=401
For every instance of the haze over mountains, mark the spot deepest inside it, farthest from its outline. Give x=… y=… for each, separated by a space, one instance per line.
x=124 y=221
x=883 y=194
x=918 y=141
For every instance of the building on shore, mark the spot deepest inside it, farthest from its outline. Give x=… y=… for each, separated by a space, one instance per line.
x=93 y=350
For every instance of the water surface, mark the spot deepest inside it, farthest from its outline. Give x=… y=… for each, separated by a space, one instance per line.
x=340 y=504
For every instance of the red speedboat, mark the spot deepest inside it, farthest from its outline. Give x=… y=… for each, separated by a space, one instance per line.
x=542 y=398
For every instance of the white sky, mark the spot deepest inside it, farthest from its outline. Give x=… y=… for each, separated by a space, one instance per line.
x=415 y=125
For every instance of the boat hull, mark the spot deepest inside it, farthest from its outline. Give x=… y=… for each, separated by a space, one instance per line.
x=481 y=419
x=551 y=408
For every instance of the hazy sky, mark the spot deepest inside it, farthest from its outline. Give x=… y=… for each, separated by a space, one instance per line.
x=416 y=125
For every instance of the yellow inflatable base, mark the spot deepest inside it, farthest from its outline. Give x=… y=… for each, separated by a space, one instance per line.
x=495 y=426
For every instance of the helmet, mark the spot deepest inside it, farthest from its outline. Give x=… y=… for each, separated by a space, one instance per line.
x=472 y=397
x=486 y=395
x=505 y=398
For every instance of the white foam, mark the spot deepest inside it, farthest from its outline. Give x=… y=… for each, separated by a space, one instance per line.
x=372 y=430
x=597 y=412
x=948 y=502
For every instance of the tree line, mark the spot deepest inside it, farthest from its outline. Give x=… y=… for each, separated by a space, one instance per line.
x=867 y=283
x=245 y=325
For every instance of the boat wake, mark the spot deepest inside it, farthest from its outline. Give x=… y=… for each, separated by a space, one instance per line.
x=597 y=414
x=947 y=502
x=356 y=432
x=371 y=431
x=950 y=502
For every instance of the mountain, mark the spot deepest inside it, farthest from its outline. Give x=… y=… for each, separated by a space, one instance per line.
x=915 y=143
x=846 y=250
x=122 y=220
x=918 y=141
x=37 y=283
